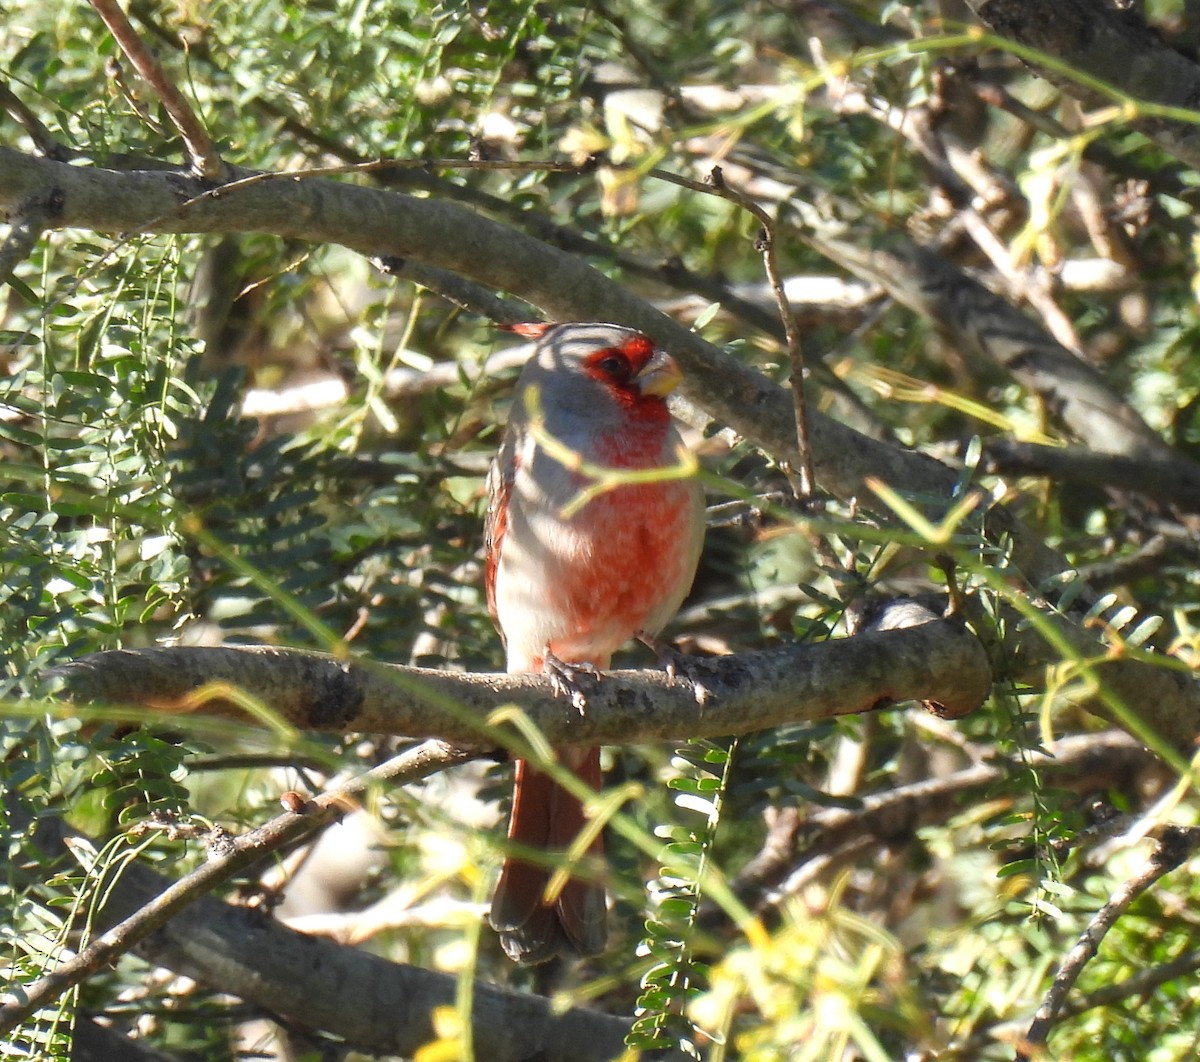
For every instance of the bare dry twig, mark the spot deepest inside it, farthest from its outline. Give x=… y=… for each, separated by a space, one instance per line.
x=766 y=245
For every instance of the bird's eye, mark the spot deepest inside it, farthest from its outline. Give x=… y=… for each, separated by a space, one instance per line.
x=614 y=366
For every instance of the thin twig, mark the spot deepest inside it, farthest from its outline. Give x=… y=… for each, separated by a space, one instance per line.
x=999 y=97
x=234 y=856
x=804 y=484
x=206 y=162
x=255 y=760
x=1138 y=984
x=1024 y=282
x=765 y=244
x=1159 y=550
x=383 y=165
x=1172 y=848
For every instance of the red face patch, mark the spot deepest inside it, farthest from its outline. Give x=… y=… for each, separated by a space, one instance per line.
x=639 y=350
x=615 y=367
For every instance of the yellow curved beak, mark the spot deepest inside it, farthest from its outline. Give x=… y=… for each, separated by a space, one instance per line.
x=659 y=376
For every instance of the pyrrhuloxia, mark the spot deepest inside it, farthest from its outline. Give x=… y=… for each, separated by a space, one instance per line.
x=573 y=589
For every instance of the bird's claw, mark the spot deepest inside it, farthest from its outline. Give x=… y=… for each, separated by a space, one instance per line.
x=681 y=669
x=565 y=679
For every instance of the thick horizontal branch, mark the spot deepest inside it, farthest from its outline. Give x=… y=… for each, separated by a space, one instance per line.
x=938 y=662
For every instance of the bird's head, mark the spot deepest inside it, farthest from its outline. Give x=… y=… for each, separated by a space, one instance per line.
x=584 y=365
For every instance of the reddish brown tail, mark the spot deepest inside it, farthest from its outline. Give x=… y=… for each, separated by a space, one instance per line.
x=544 y=815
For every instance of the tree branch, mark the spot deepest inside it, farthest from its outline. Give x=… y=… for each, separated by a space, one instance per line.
x=205 y=160
x=92 y=1042
x=26 y=227
x=42 y=138
x=935 y=288
x=927 y=283
x=766 y=244
x=1142 y=983
x=1170 y=480
x=1090 y=759
x=937 y=661
x=474 y=298
x=1165 y=547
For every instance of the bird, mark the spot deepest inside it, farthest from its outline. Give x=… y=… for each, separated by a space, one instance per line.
x=567 y=591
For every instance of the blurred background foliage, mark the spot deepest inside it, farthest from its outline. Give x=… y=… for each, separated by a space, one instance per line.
x=207 y=441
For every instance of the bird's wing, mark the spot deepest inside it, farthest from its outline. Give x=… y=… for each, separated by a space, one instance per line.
x=500 y=478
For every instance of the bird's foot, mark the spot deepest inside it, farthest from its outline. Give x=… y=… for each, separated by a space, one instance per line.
x=568 y=680
x=681 y=669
